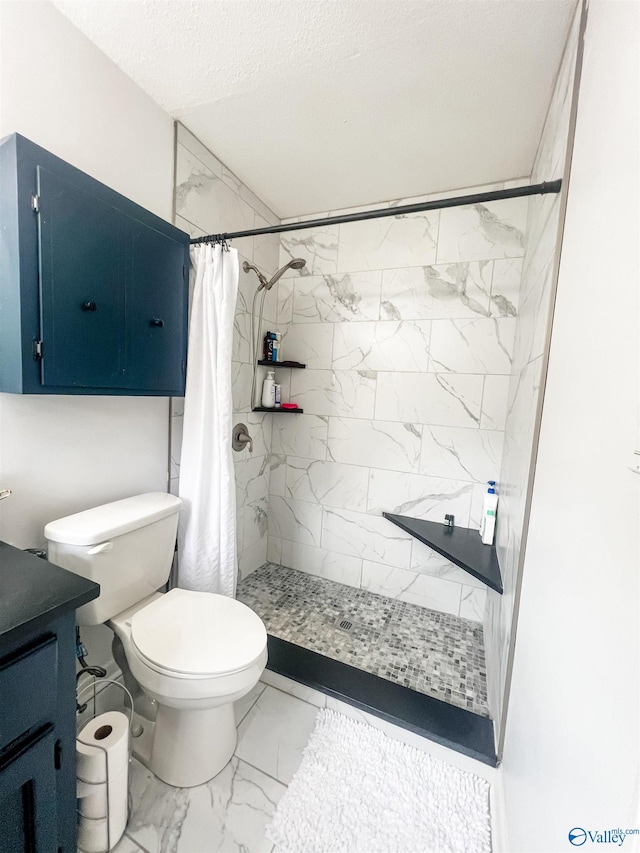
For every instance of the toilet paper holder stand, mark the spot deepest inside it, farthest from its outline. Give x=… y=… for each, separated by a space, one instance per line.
x=93 y=685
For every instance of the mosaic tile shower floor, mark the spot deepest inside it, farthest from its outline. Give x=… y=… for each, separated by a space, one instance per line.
x=430 y=652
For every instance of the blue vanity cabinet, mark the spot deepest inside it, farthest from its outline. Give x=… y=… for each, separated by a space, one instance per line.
x=28 y=797
x=37 y=702
x=93 y=287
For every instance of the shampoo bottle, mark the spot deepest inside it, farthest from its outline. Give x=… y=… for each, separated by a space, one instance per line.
x=489 y=510
x=268 y=396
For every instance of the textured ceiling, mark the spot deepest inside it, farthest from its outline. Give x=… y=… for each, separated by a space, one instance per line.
x=322 y=104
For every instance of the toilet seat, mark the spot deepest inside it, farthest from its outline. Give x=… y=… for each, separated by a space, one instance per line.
x=190 y=634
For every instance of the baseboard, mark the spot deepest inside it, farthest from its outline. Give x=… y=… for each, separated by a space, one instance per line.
x=499 y=826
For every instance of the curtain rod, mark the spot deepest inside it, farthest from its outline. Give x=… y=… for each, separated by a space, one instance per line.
x=477 y=198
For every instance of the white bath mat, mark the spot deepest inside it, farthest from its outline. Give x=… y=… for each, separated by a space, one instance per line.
x=359 y=791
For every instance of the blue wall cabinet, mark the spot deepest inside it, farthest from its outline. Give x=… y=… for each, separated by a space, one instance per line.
x=94 y=288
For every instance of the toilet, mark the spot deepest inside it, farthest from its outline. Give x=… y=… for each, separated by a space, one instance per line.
x=193 y=653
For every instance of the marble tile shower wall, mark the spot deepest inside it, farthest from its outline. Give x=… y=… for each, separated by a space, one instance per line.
x=407 y=328
x=210 y=199
x=534 y=317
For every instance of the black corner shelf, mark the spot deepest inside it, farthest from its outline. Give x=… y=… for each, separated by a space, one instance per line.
x=293 y=365
x=461 y=545
x=280 y=410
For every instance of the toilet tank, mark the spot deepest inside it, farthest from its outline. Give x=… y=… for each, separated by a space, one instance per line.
x=126 y=546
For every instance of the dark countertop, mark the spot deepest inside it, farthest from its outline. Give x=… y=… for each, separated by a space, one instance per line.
x=34 y=591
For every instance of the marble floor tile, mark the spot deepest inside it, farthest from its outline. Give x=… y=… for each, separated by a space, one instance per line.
x=273 y=734
x=300 y=691
x=242 y=707
x=227 y=814
x=125 y=845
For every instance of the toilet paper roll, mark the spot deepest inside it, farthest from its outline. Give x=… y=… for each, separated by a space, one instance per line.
x=95 y=803
x=84 y=789
x=93 y=836
x=93 y=800
x=102 y=749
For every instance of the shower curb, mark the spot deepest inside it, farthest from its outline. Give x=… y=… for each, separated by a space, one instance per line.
x=448 y=725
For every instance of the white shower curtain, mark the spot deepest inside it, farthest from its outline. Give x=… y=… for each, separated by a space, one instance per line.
x=207 y=531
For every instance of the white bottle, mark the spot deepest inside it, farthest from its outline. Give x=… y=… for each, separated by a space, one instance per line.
x=489 y=510
x=268 y=396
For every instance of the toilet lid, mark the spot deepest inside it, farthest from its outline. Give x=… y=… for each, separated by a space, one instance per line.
x=198 y=633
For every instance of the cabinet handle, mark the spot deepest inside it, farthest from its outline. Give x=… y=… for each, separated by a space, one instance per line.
x=89 y=306
x=155 y=321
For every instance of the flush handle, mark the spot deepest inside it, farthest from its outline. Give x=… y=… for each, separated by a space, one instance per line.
x=100 y=549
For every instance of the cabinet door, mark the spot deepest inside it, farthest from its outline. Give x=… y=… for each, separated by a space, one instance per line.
x=155 y=310
x=28 y=797
x=81 y=286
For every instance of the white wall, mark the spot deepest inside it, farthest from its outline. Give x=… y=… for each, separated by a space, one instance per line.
x=572 y=749
x=63 y=93
x=61 y=454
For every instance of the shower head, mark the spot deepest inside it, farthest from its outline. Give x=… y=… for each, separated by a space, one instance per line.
x=294 y=264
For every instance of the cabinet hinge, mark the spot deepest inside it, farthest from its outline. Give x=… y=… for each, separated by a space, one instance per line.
x=57 y=755
x=37 y=350
x=35 y=203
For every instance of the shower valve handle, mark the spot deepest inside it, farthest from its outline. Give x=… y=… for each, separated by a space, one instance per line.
x=246 y=439
x=240 y=438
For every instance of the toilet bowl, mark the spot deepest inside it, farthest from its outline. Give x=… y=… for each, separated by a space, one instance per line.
x=193 y=653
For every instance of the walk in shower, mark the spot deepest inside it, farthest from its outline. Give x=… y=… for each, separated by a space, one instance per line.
x=418 y=332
